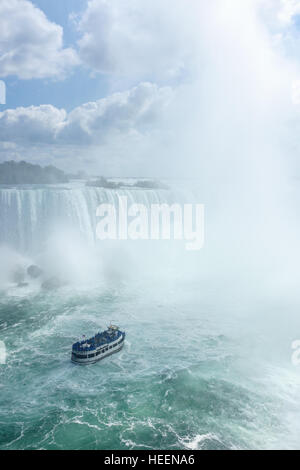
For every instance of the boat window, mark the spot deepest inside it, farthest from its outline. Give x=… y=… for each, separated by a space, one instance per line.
x=80 y=356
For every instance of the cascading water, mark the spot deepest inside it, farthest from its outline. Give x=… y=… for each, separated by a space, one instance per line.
x=56 y=227
x=29 y=215
x=199 y=370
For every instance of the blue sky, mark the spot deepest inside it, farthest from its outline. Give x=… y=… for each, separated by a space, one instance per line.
x=132 y=86
x=80 y=86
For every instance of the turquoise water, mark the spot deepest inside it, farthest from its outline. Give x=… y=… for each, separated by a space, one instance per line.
x=207 y=360
x=187 y=378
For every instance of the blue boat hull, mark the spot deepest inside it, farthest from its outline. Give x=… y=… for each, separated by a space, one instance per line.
x=100 y=353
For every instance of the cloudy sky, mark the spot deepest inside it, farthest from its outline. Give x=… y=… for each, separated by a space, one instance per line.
x=132 y=87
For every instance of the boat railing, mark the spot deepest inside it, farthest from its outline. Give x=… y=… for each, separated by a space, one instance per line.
x=104 y=338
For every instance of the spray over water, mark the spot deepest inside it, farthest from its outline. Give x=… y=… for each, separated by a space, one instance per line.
x=213 y=369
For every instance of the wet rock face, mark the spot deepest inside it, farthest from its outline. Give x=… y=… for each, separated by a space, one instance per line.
x=106 y=184
x=23 y=284
x=18 y=275
x=52 y=284
x=150 y=185
x=103 y=183
x=34 y=271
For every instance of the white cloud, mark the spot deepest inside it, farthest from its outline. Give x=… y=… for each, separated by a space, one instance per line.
x=121 y=114
x=32 y=124
x=136 y=110
x=287 y=10
x=231 y=107
x=296 y=92
x=30 y=45
x=134 y=38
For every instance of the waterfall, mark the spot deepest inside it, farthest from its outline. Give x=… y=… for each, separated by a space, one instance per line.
x=28 y=215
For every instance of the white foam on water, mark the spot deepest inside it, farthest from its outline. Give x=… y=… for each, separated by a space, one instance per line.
x=3 y=353
x=196 y=334
x=195 y=443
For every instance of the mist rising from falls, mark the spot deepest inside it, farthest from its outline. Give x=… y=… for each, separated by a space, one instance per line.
x=29 y=216
x=56 y=228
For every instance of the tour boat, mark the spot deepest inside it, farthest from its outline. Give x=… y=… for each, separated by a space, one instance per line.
x=100 y=346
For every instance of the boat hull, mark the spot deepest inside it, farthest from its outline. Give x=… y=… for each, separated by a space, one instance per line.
x=99 y=354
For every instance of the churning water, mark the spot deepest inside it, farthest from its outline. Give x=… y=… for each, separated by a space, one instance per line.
x=206 y=363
